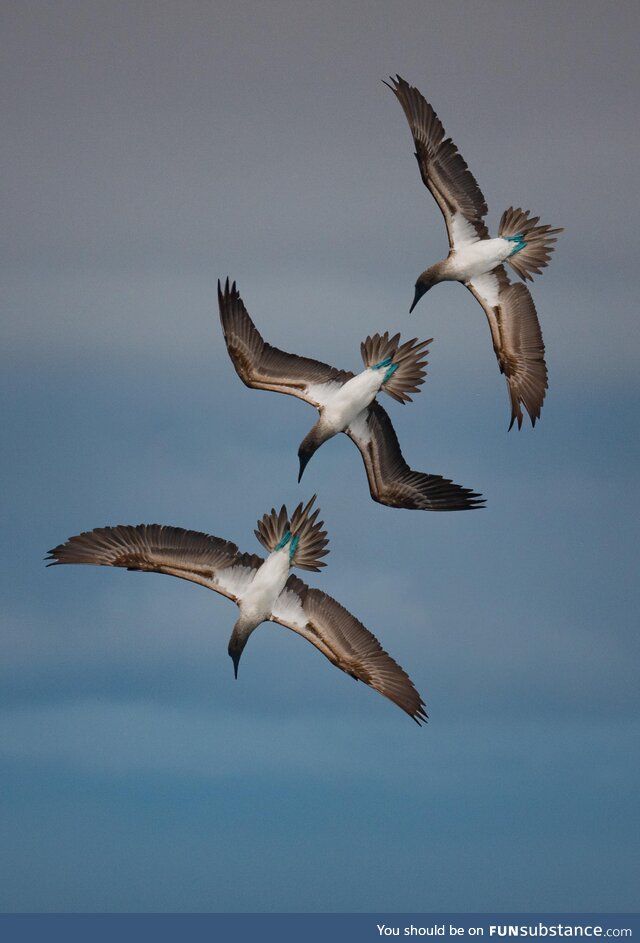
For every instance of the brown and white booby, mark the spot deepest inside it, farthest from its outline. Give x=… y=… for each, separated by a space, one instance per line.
x=348 y=404
x=263 y=589
x=476 y=260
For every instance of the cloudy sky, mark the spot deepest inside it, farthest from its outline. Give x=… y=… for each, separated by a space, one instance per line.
x=153 y=147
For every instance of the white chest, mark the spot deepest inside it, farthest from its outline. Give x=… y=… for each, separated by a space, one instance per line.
x=266 y=586
x=356 y=394
x=477 y=258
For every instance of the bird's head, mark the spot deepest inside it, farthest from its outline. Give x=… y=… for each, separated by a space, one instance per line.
x=310 y=444
x=423 y=284
x=237 y=643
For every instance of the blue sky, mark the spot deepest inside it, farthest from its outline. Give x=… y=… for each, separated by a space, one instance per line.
x=153 y=148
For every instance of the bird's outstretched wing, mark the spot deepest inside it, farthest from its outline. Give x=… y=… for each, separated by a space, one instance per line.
x=346 y=643
x=391 y=481
x=157 y=548
x=517 y=340
x=442 y=168
x=264 y=367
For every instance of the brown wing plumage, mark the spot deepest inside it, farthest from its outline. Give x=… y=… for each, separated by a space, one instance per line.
x=442 y=168
x=347 y=644
x=263 y=367
x=188 y=554
x=518 y=344
x=391 y=481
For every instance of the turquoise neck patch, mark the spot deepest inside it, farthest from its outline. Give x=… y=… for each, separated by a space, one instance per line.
x=284 y=541
x=293 y=547
x=382 y=363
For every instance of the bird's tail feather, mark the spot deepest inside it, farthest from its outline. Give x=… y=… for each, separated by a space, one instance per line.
x=538 y=242
x=312 y=539
x=407 y=363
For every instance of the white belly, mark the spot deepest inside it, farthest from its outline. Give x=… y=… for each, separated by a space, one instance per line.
x=258 y=601
x=349 y=401
x=477 y=258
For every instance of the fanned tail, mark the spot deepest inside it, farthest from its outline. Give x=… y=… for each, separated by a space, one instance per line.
x=271 y=528
x=406 y=363
x=312 y=539
x=531 y=258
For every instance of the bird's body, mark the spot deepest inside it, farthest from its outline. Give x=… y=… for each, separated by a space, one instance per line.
x=257 y=601
x=346 y=407
x=346 y=403
x=477 y=260
x=264 y=589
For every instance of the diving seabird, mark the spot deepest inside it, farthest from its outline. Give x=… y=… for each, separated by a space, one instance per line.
x=476 y=260
x=262 y=589
x=347 y=403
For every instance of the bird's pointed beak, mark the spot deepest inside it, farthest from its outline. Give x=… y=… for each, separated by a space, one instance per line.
x=420 y=291
x=304 y=461
x=235 y=657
